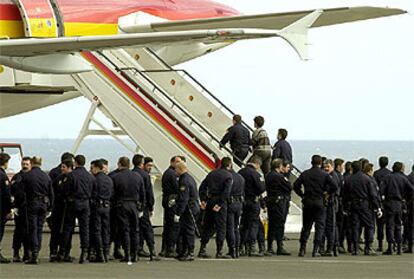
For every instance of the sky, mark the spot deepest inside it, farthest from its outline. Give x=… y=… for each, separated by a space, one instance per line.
x=359 y=84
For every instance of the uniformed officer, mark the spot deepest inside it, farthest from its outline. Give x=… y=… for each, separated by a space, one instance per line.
x=39 y=195
x=340 y=218
x=395 y=188
x=261 y=144
x=186 y=210
x=318 y=185
x=59 y=212
x=278 y=190
x=129 y=197
x=214 y=194
x=282 y=149
x=379 y=176
x=361 y=199
x=56 y=171
x=332 y=206
x=77 y=192
x=143 y=167
x=169 y=182
x=234 y=212
x=5 y=198
x=21 y=223
x=253 y=189
x=410 y=214
x=239 y=138
x=116 y=234
x=100 y=206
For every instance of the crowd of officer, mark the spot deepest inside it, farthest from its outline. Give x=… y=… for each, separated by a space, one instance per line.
x=342 y=200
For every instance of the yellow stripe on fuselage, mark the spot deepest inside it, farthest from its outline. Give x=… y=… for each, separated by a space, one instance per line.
x=15 y=29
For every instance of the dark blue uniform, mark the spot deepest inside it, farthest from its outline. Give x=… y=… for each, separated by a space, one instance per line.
x=100 y=215
x=395 y=188
x=5 y=199
x=145 y=226
x=410 y=215
x=77 y=192
x=58 y=218
x=169 y=194
x=331 y=228
x=361 y=199
x=116 y=236
x=282 y=150
x=239 y=138
x=379 y=176
x=216 y=191
x=316 y=183
x=55 y=172
x=254 y=187
x=234 y=212
x=187 y=208
x=39 y=195
x=129 y=196
x=21 y=229
x=278 y=190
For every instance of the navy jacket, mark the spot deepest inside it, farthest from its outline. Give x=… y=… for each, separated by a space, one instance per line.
x=37 y=184
x=55 y=172
x=149 y=191
x=277 y=185
x=188 y=195
x=104 y=187
x=396 y=186
x=380 y=174
x=169 y=182
x=218 y=184
x=315 y=182
x=237 y=189
x=238 y=136
x=282 y=150
x=359 y=186
x=128 y=186
x=255 y=185
x=80 y=184
x=5 y=197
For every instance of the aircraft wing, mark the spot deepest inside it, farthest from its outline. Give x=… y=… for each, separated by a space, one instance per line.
x=275 y=21
x=41 y=46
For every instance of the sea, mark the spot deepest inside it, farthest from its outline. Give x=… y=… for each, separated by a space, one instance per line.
x=93 y=148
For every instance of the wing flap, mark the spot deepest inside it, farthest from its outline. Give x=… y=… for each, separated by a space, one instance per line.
x=268 y=21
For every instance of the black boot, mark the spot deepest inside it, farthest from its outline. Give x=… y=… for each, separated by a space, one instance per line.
x=219 y=252
x=82 y=257
x=126 y=257
x=409 y=249
x=134 y=257
x=232 y=253
x=302 y=250
x=26 y=255
x=355 y=248
x=328 y=252
x=203 y=253
x=389 y=250
x=187 y=257
x=153 y=255
x=105 y=254
x=117 y=253
x=379 y=249
x=242 y=251
x=34 y=259
x=252 y=251
x=99 y=258
x=3 y=260
x=237 y=252
x=16 y=256
x=399 y=250
x=315 y=251
x=281 y=250
x=170 y=253
x=368 y=251
x=143 y=253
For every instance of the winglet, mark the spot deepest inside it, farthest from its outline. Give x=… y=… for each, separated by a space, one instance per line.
x=296 y=34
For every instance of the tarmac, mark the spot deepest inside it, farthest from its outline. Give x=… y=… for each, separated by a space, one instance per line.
x=344 y=266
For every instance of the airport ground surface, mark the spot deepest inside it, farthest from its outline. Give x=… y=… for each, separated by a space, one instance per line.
x=344 y=266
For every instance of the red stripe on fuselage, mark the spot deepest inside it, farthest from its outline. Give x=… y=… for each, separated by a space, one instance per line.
x=150 y=110
x=108 y=11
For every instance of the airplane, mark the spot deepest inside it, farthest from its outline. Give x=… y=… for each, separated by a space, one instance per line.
x=46 y=36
